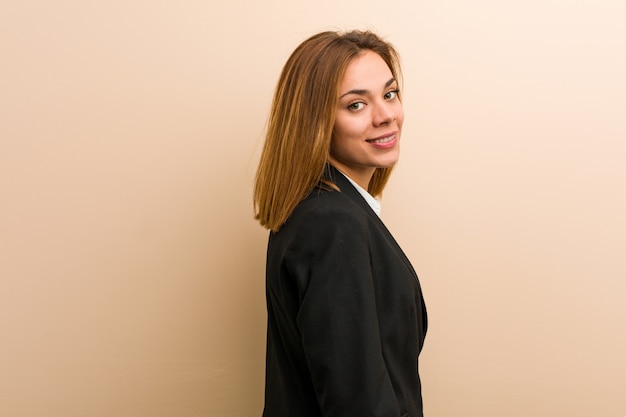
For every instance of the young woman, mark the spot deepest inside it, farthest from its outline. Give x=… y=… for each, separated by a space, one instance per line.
x=346 y=317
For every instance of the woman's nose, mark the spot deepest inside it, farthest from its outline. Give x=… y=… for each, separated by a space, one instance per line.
x=383 y=114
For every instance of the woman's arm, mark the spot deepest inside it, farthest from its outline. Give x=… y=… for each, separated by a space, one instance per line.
x=337 y=318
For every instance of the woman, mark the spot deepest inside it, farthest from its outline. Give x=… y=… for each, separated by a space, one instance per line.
x=346 y=317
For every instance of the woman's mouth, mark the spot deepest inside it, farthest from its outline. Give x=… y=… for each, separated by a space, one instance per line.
x=384 y=142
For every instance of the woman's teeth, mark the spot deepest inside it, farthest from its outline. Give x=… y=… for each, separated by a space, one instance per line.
x=381 y=140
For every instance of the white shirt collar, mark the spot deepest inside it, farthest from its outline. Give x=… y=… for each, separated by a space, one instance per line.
x=373 y=203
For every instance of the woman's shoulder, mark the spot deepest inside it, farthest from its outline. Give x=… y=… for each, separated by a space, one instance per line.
x=324 y=202
x=327 y=208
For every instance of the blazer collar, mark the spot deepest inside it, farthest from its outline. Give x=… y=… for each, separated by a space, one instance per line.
x=335 y=176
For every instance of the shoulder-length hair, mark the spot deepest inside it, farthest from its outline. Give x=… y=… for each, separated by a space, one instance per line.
x=301 y=120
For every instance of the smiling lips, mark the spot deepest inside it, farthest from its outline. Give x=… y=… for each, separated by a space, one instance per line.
x=384 y=142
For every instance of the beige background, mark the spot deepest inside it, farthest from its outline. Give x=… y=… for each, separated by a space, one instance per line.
x=131 y=271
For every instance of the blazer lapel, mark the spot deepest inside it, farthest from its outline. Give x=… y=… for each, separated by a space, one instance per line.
x=335 y=176
x=345 y=186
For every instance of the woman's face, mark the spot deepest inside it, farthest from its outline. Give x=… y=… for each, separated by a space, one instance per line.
x=368 y=120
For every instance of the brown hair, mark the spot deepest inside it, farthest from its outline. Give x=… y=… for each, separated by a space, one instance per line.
x=301 y=121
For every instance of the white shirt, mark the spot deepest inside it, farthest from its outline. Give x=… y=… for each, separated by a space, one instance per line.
x=373 y=203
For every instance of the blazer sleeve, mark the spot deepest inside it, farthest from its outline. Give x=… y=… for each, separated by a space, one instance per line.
x=337 y=316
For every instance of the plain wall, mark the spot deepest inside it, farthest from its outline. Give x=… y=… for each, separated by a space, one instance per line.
x=132 y=272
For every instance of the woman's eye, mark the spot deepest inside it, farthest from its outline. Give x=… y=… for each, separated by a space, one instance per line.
x=390 y=95
x=356 y=106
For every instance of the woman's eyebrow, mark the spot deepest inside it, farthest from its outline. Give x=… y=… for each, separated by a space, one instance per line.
x=364 y=92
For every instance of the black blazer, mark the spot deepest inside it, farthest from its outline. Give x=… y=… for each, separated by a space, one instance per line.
x=346 y=317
